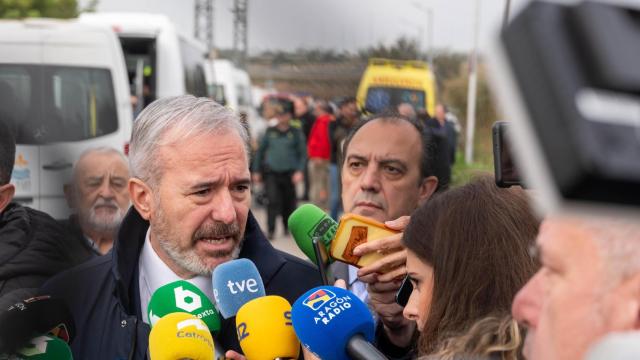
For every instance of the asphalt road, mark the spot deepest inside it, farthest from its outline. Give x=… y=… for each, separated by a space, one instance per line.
x=280 y=241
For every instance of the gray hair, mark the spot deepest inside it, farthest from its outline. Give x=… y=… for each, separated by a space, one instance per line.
x=102 y=150
x=192 y=116
x=93 y=150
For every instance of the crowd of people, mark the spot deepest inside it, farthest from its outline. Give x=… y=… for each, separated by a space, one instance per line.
x=303 y=144
x=181 y=206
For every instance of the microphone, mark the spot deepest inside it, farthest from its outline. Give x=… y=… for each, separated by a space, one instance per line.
x=182 y=296
x=235 y=283
x=616 y=346
x=265 y=331
x=307 y=222
x=45 y=348
x=32 y=317
x=334 y=324
x=180 y=335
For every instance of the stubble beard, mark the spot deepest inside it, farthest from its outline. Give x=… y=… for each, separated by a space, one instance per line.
x=188 y=259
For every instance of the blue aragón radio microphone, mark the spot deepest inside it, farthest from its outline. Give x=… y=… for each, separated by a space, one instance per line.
x=235 y=283
x=334 y=324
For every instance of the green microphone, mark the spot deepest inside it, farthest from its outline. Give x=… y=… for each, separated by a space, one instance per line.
x=183 y=296
x=45 y=348
x=308 y=222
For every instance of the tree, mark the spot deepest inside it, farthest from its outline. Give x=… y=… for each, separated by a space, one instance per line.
x=19 y=9
x=403 y=49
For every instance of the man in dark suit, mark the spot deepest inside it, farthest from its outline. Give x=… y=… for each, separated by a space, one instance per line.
x=386 y=173
x=190 y=189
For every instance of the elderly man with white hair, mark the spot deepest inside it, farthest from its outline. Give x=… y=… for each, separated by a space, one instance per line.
x=99 y=197
x=588 y=285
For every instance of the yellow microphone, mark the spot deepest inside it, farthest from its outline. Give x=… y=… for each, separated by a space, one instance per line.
x=265 y=331
x=180 y=336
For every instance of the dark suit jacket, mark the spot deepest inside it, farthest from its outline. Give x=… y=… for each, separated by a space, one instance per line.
x=104 y=297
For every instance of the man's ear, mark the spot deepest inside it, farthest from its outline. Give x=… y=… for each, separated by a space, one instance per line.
x=427 y=188
x=141 y=197
x=6 y=195
x=68 y=195
x=627 y=306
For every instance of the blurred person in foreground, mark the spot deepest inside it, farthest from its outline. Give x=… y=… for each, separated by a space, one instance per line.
x=385 y=176
x=32 y=243
x=279 y=162
x=319 y=150
x=588 y=286
x=190 y=184
x=467 y=256
x=99 y=196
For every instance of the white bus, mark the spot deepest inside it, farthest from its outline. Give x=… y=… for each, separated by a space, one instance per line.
x=231 y=86
x=63 y=89
x=160 y=61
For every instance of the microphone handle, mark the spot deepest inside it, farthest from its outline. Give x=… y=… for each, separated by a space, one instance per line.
x=360 y=349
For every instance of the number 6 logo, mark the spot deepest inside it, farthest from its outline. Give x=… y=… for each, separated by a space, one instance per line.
x=187 y=300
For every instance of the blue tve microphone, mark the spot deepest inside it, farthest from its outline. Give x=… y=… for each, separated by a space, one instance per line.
x=334 y=324
x=235 y=283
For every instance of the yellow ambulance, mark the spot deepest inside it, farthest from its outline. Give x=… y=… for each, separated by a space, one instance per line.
x=387 y=83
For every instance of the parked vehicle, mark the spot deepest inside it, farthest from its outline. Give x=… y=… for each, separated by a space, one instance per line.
x=63 y=89
x=160 y=61
x=387 y=83
x=231 y=86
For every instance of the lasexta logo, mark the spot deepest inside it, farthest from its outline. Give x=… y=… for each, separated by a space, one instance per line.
x=187 y=300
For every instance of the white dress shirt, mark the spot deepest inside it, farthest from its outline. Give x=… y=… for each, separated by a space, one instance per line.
x=154 y=273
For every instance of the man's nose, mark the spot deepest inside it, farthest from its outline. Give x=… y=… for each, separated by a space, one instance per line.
x=370 y=180
x=223 y=207
x=106 y=191
x=528 y=302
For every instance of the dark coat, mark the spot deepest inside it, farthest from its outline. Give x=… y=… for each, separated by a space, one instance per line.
x=104 y=297
x=79 y=248
x=32 y=248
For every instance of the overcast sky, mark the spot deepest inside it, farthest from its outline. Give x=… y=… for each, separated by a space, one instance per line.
x=337 y=24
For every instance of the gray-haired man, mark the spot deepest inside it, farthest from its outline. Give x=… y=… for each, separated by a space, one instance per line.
x=190 y=193
x=99 y=196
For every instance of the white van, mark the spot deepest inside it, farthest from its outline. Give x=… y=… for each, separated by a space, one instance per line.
x=231 y=86
x=160 y=61
x=63 y=89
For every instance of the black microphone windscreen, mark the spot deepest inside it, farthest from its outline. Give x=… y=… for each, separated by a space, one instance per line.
x=35 y=316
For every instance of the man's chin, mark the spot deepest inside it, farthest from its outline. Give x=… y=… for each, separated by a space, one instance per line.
x=105 y=212
x=214 y=256
x=370 y=212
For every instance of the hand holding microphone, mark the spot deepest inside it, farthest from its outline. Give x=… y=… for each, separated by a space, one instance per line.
x=383 y=279
x=375 y=240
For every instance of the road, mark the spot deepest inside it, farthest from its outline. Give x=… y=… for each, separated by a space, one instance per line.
x=280 y=241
